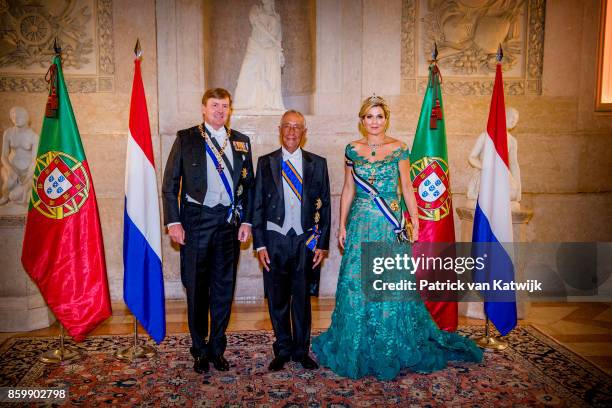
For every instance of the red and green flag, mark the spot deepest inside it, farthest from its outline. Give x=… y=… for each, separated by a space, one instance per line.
x=63 y=250
x=430 y=178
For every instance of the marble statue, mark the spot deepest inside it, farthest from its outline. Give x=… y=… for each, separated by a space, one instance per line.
x=259 y=83
x=475 y=160
x=19 y=148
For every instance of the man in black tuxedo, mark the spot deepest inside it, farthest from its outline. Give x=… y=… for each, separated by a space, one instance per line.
x=291 y=220
x=207 y=195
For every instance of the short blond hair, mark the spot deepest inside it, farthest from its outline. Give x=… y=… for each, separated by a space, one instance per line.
x=369 y=103
x=216 y=93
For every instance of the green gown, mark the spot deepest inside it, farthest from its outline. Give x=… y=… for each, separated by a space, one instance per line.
x=381 y=338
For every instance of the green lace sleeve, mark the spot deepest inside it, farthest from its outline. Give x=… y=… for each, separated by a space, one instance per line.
x=349 y=151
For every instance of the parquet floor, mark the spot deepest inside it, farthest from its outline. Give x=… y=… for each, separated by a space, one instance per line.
x=585 y=328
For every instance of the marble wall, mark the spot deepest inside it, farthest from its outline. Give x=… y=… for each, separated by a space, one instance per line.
x=356 y=49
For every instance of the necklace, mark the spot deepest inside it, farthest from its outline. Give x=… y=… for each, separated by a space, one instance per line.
x=218 y=153
x=374 y=146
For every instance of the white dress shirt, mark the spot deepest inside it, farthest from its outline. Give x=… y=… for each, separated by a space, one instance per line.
x=293 y=206
x=216 y=192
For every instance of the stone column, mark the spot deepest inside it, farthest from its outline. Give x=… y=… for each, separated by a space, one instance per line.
x=338 y=57
x=382 y=47
x=520 y=219
x=180 y=65
x=22 y=308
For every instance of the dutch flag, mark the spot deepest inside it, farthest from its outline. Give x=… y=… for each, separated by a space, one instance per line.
x=143 y=282
x=493 y=218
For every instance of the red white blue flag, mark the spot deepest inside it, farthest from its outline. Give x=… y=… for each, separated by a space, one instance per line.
x=493 y=218
x=143 y=282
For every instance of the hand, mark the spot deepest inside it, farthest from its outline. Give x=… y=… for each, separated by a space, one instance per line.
x=415 y=228
x=319 y=254
x=342 y=236
x=177 y=234
x=244 y=233
x=264 y=259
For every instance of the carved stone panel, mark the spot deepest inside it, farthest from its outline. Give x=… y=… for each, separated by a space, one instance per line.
x=467 y=34
x=84 y=30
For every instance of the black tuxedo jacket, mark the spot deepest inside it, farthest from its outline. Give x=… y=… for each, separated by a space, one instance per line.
x=185 y=173
x=269 y=204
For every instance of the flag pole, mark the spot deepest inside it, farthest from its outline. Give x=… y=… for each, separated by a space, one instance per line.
x=488 y=341
x=61 y=354
x=136 y=351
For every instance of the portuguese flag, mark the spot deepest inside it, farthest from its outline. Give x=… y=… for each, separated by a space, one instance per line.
x=62 y=248
x=430 y=179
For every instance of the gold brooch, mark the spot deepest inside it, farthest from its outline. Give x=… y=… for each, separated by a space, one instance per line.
x=318 y=204
x=394 y=205
x=244 y=173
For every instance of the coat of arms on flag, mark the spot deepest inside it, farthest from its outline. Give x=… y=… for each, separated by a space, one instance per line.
x=430 y=175
x=62 y=185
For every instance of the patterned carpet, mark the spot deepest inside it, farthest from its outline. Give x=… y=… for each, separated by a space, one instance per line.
x=533 y=371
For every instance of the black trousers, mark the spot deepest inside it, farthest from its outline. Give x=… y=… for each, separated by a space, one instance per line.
x=209 y=260
x=287 y=287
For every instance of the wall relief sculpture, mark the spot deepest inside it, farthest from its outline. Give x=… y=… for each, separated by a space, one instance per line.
x=84 y=31
x=467 y=33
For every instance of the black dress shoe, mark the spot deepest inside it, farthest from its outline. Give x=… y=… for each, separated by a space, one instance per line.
x=200 y=365
x=307 y=362
x=220 y=363
x=277 y=364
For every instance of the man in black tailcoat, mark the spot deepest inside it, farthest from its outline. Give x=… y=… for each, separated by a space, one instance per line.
x=207 y=193
x=291 y=220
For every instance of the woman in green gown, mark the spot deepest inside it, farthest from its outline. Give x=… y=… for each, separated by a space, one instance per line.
x=380 y=338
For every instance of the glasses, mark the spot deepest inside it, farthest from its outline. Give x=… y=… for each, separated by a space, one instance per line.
x=290 y=126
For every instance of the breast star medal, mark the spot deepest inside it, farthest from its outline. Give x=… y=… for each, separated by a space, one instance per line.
x=318 y=204
x=239 y=191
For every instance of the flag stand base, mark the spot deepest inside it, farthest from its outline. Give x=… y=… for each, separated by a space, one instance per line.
x=60 y=355
x=491 y=342
x=136 y=351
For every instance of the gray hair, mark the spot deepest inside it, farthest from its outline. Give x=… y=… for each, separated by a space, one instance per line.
x=296 y=112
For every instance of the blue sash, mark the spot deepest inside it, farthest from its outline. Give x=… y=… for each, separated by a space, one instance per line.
x=311 y=242
x=294 y=180
x=399 y=227
x=234 y=213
